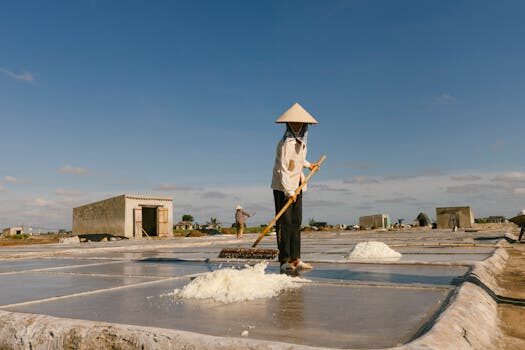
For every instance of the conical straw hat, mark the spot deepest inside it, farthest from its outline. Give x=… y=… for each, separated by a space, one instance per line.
x=296 y=113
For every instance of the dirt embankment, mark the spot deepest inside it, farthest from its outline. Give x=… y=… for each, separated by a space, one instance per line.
x=513 y=282
x=42 y=239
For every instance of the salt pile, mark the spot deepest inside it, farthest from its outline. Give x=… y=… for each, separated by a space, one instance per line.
x=231 y=285
x=373 y=250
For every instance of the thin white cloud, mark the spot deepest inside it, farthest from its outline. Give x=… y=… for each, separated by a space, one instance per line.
x=360 y=165
x=10 y=179
x=396 y=200
x=431 y=172
x=68 y=169
x=423 y=173
x=327 y=188
x=41 y=202
x=361 y=180
x=513 y=177
x=25 y=76
x=444 y=97
x=519 y=191
x=365 y=206
x=465 y=178
x=316 y=203
x=214 y=195
x=68 y=193
x=474 y=188
x=13 y=180
x=169 y=187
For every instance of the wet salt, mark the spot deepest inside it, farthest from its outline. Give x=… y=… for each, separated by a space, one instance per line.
x=373 y=250
x=231 y=285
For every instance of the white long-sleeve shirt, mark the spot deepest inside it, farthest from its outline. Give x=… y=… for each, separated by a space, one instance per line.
x=290 y=160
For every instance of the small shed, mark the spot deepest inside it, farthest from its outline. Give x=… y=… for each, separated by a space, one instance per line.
x=423 y=220
x=184 y=225
x=447 y=217
x=132 y=216
x=13 y=231
x=374 y=221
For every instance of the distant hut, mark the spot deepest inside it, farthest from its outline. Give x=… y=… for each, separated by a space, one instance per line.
x=132 y=216
x=185 y=225
x=449 y=217
x=374 y=221
x=13 y=231
x=423 y=220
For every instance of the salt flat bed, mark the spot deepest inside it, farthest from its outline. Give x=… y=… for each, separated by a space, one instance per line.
x=346 y=304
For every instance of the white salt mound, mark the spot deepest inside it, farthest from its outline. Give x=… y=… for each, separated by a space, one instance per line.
x=373 y=250
x=231 y=285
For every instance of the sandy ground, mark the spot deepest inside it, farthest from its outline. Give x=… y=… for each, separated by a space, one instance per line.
x=42 y=239
x=513 y=282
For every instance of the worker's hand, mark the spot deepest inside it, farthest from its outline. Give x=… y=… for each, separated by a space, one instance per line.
x=293 y=197
x=314 y=166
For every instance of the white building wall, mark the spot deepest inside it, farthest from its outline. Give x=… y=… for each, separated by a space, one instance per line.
x=133 y=202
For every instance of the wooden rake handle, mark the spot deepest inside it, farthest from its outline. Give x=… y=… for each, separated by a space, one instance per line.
x=288 y=203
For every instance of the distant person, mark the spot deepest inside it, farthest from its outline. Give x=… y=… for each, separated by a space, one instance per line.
x=453 y=222
x=240 y=216
x=288 y=174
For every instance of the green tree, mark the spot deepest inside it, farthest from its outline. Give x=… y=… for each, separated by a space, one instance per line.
x=187 y=217
x=214 y=222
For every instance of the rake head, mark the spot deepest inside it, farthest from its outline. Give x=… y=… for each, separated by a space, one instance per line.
x=248 y=253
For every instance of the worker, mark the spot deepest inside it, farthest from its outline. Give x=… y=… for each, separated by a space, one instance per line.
x=287 y=177
x=240 y=216
x=453 y=220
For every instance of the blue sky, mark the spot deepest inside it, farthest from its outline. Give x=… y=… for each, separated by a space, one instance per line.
x=420 y=104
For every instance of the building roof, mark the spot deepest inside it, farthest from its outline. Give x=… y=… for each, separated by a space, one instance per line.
x=184 y=223
x=453 y=208
x=132 y=196
x=148 y=197
x=364 y=216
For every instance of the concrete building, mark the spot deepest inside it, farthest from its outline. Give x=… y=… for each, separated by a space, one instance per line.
x=374 y=221
x=495 y=219
x=126 y=215
x=12 y=231
x=462 y=217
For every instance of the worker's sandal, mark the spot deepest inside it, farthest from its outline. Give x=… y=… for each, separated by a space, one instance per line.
x=287 y=267
x=301 y=265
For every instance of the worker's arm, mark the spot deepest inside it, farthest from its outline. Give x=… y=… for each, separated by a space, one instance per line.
x=311 y=166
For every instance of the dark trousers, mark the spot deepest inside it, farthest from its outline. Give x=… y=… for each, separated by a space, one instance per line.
x=288 y=227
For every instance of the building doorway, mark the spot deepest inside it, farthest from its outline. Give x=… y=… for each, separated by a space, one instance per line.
x=149 y=221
